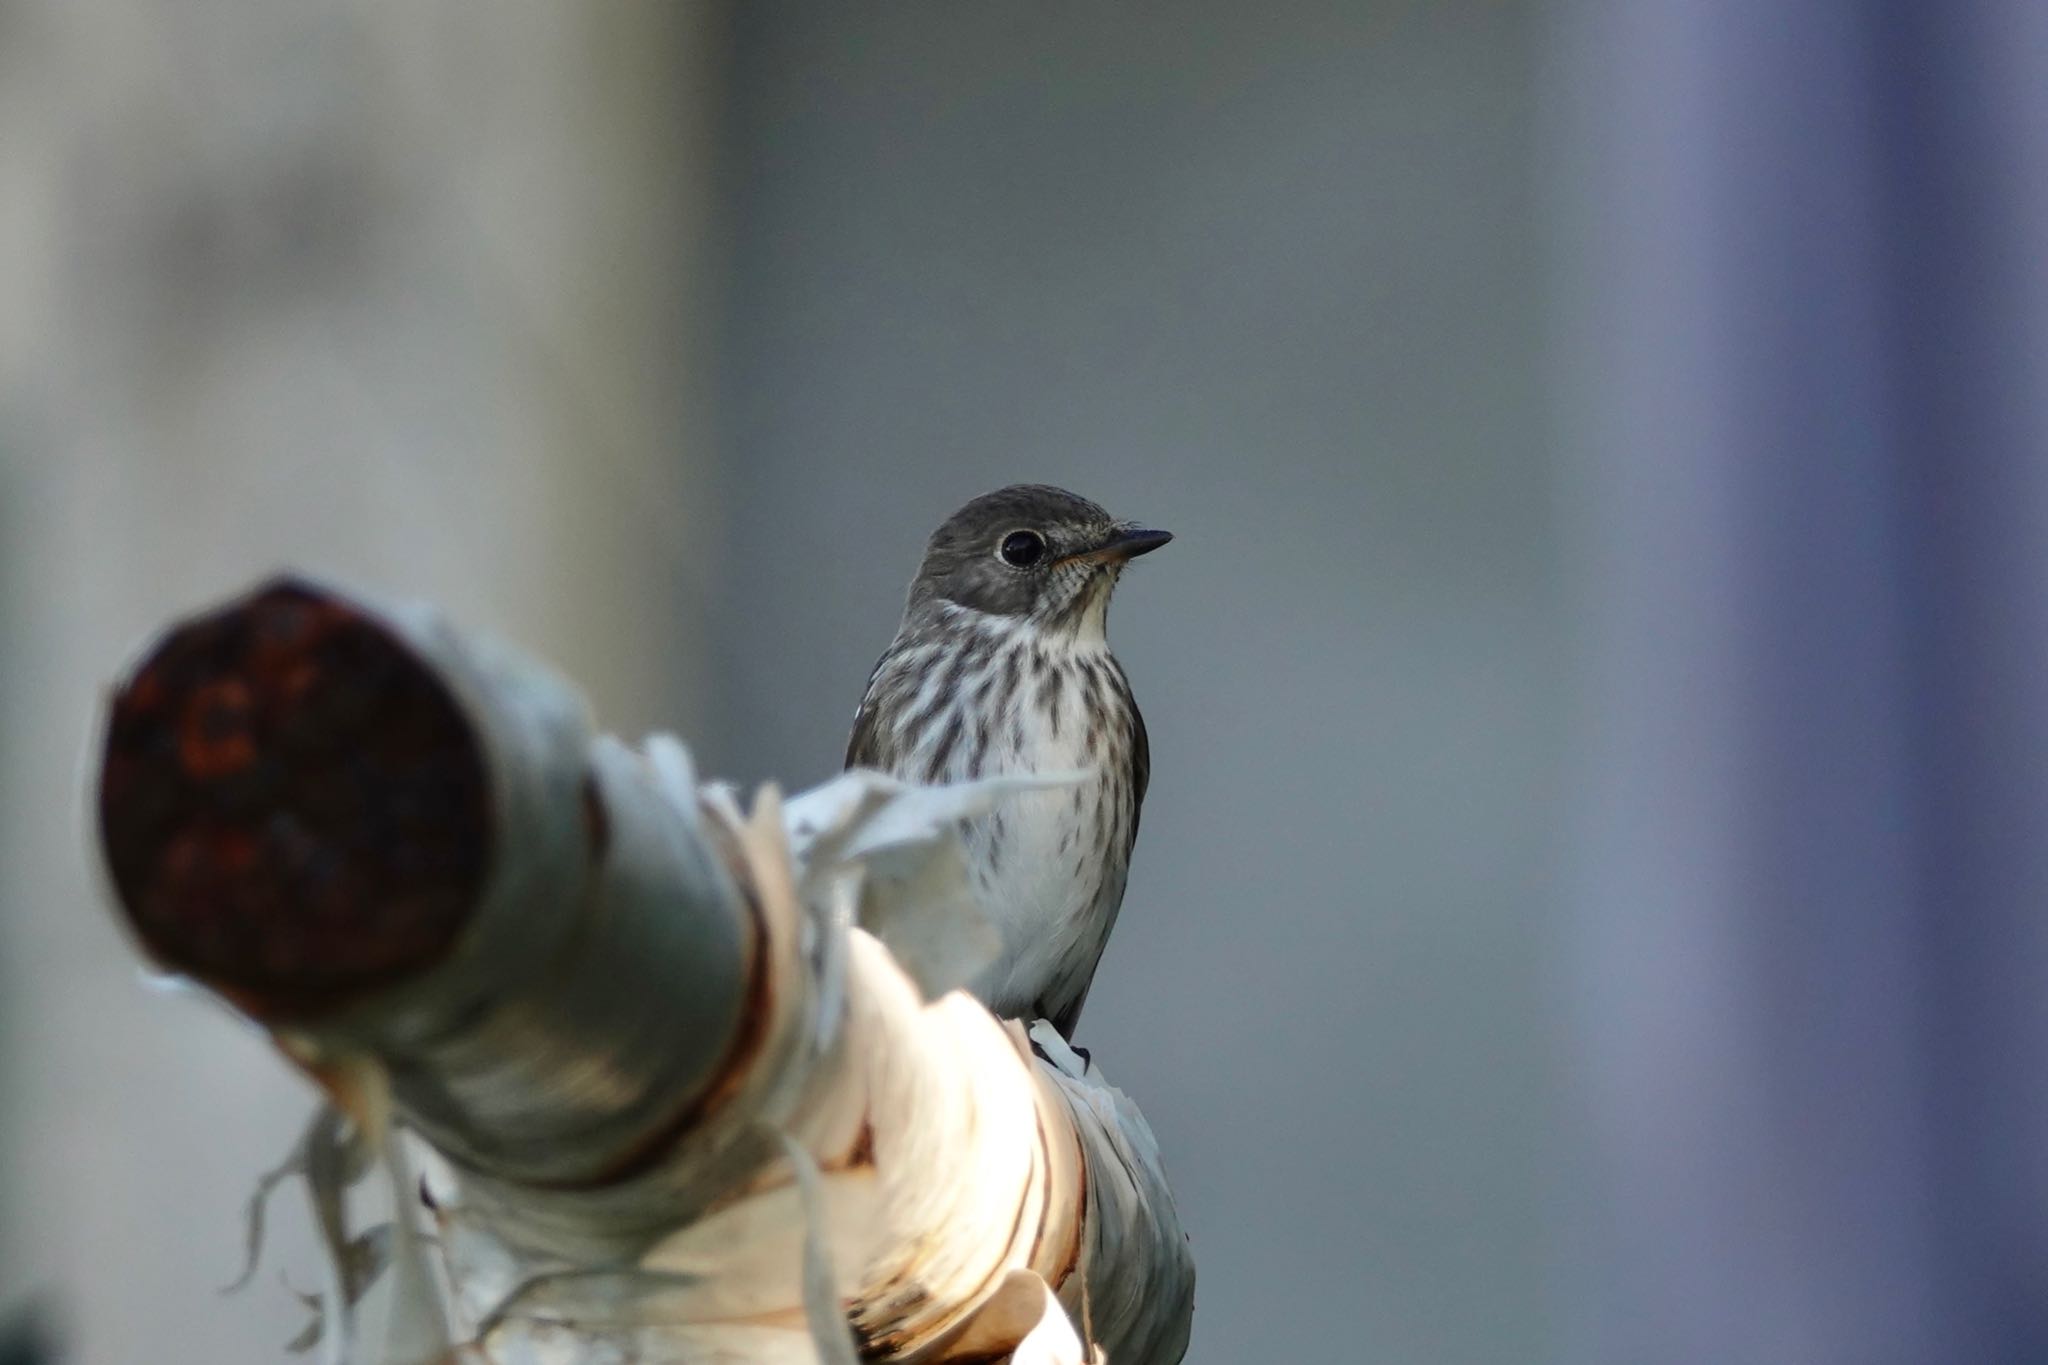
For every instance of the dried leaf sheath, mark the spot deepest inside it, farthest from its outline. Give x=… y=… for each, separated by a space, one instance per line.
x=604 y=996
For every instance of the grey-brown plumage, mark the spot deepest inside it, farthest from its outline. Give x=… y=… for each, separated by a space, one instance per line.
x=1002 y=666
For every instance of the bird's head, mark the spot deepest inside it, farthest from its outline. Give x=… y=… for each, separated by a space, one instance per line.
x=1033 y=553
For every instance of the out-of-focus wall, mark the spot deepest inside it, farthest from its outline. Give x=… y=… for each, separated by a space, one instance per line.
x=1265 y=275
x=408 y=294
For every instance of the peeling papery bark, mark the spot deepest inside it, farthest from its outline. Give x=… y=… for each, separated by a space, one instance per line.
x=696 y=1082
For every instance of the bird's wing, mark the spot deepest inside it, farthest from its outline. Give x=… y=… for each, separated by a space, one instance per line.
x=1064 y=1017
x=1141 y=751
x=864 y=747
x=1141 y=766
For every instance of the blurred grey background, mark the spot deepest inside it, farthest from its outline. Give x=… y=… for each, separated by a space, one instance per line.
x=1268 y=280
x=1589 y=901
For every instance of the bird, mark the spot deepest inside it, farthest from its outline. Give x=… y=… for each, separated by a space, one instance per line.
x=1001 y=667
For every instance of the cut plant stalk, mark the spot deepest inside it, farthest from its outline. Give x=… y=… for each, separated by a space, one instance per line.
x=697 y=1079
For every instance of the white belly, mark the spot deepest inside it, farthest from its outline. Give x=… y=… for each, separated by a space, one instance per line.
x=1049 y=865
x=1048 y=882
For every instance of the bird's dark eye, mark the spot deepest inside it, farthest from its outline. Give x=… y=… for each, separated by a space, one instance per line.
x=1022 y=549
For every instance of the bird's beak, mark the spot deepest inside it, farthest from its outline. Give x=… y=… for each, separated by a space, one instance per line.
x=1125 y=543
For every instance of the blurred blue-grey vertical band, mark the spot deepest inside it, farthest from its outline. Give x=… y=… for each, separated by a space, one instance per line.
x=1803 y=311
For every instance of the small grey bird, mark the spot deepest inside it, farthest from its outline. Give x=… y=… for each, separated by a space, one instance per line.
x=1002 y=666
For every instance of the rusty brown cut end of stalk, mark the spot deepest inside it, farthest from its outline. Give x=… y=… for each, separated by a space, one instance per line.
x=293 y=807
